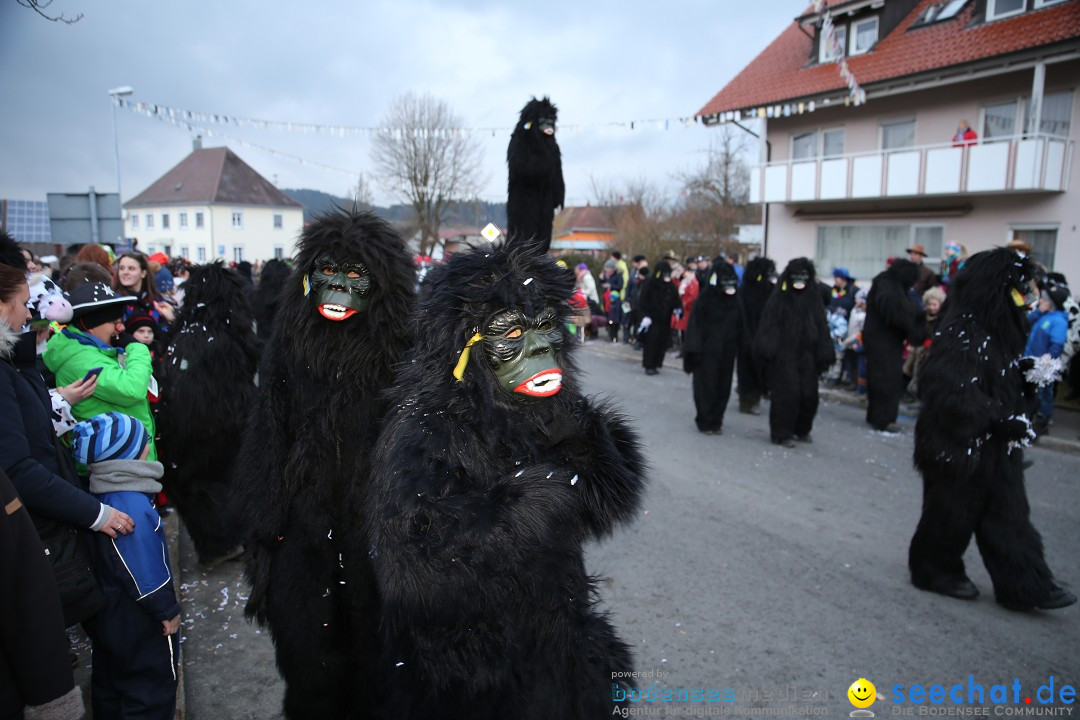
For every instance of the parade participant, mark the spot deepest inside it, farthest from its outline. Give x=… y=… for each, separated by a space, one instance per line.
x=340 y=328
x=490 y=474
x=758 y=283
x=712 y=343
x=969 y=438
x=893 y=317
x=658 y=298
x=208 y=389
x=535 y=185
x=793 y=343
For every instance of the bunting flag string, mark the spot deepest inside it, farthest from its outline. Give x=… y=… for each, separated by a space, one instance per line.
x=210 y=133
x=829 y=36
x=192 y=117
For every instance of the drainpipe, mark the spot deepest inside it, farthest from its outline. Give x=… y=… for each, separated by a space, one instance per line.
x=92 y=197
x=1037 y=83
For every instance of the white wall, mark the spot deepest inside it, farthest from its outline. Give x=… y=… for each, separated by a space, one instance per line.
x=257 y=237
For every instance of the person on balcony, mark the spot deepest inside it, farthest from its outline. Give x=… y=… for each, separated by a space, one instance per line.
x=964 y=135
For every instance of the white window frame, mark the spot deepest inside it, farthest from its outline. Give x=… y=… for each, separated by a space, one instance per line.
x=931 y=260
x=185 y=252
x=149 y=221
x=199 y=220
x=181 y=220
x=817 y=145
x=134 y=221
x=200 y=254
x=279 y=252
x=1037 y=227
x=279 y=221
x=852 y=51
x=991 y=5
x=238 y=253
x=1045 y=3
x=884 y=122
x=823 y=132
x=238 y=219
x=165 y=221
x=822 y=58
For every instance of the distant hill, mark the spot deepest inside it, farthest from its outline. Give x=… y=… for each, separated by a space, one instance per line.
x=465 y=215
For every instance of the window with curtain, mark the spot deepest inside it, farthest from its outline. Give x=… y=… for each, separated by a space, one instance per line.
x=862 y=249
x=864 y=34
x=1056 y=116
x=1042 y=240
x=999 y=120
x=804 y=146
x=832 y=142
x=898 y=135
x=826 y=53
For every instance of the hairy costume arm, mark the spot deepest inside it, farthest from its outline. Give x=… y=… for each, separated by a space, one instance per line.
x=824 y=351
x=258 y=487
x=694 y=341
x=767 y=339
x=958 y=415
x=607 y=461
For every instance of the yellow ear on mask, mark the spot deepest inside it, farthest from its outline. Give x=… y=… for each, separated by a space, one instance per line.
x=307 y=286
x=783 y=286
x=1018 y=298
x=463 y=359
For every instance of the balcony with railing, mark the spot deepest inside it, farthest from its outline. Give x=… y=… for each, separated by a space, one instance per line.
x=1032 y=163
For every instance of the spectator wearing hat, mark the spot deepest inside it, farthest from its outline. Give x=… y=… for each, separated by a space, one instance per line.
x=927 y=277
x=842 y=295
x=134 y=637
x=84 y=345
x=1049 y=327
x=955 y=257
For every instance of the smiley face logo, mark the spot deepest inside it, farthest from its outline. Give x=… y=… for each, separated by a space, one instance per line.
x=862 y=693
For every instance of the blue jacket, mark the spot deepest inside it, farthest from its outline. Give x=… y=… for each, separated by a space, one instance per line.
x=1048 y=331
x=139 y=561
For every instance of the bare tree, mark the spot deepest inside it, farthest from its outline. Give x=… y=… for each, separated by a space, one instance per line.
x=639 y=215
x=425 y=157
x=360 y=195
x=39 y=6
x=716 y=196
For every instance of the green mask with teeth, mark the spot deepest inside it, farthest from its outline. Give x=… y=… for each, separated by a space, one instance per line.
x=521 y=350
x=341 y=288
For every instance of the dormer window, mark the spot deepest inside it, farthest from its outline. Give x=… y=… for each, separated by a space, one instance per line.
x=997 y=9
x=864 y=33
x=828 y=52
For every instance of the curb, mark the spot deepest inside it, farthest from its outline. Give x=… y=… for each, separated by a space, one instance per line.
x=624 y=352
x=172 y=537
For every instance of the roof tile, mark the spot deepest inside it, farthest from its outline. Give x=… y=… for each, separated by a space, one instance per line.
x=780 y=72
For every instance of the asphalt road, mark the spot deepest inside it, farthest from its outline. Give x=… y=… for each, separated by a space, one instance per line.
x=776 y=577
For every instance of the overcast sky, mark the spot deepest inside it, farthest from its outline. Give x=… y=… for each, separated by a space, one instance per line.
x=338 y=62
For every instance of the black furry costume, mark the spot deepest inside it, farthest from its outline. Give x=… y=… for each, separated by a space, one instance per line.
x=757 y=286
x=657 y=300
x=264 y=300
x=892 y=317
x=974 y=397
x=481 y=499
x=307 y=448
x=535 y=185
x=713 y=337
x=794 y=344
x=207 y=390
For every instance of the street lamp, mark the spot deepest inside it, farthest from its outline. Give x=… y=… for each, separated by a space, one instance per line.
x=115 y=94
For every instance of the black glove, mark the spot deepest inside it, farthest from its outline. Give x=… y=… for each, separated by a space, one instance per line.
x=123 y=340
x=1025 y=364
x=1014 y=427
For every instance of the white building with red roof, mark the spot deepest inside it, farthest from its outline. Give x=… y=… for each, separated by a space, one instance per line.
x=854 y=184
x=212 y=205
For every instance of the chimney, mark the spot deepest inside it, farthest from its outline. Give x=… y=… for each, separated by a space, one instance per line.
x=196 y=144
